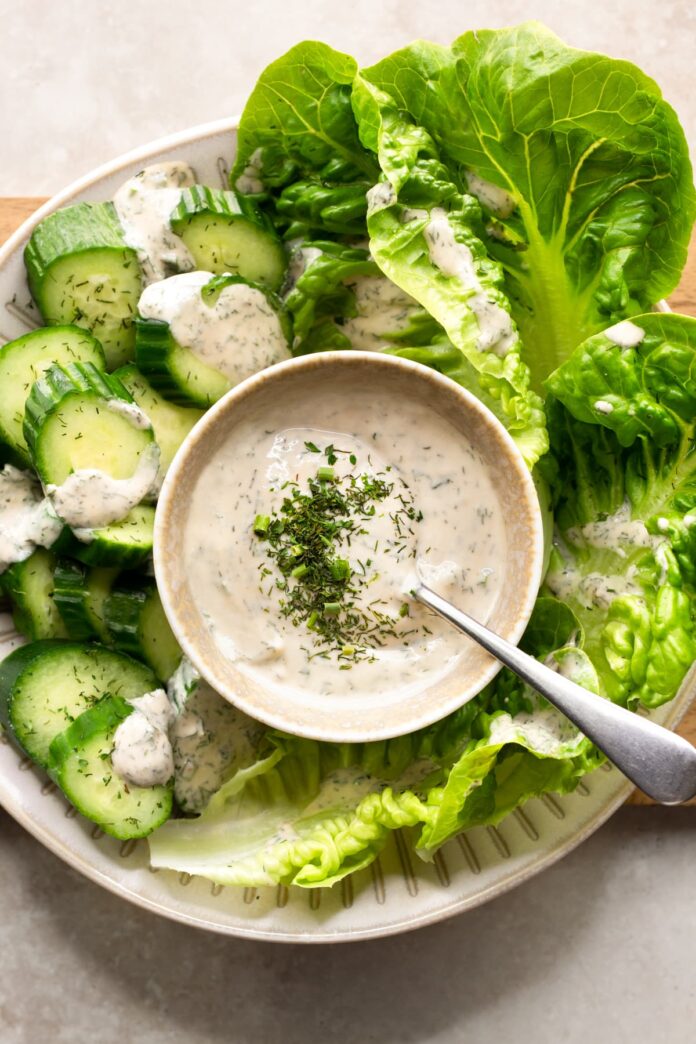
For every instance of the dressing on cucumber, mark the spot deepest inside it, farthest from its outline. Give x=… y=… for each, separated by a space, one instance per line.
x=24 y=360
x=46 y=685
x=144 y=205
x=204 y=334
x=27 y=520
x=92 y=446
x=171 y=423
x=81 y=764
x=82 y=271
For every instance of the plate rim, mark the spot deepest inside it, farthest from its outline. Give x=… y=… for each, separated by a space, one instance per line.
x=19 y=813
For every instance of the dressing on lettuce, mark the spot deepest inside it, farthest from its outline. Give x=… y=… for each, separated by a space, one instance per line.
x=531 y=202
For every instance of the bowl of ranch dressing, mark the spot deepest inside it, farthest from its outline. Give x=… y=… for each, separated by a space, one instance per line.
x=294 y=518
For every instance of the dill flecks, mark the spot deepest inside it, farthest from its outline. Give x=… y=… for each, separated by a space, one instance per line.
x=307 y=538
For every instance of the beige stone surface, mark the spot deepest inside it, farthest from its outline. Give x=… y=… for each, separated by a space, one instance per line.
x=81 y=80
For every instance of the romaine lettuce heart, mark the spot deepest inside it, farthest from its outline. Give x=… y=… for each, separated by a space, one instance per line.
x=592 y=160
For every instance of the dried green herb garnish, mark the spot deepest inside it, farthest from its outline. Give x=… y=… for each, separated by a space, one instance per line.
x=307 y=538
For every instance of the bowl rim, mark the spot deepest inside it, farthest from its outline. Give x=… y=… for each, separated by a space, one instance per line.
x=384 y=721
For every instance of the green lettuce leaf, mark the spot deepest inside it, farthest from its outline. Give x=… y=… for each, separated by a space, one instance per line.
x=341 y=299
x=623 y=557
x=410 y=233
x=298 y=139
x=309 y=813
x=580 y=164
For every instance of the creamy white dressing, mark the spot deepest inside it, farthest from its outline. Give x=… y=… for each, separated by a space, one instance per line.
x=545 y=731
x=211 y=740
x=602 y=406
x=131 y=412
x=144 y=205
x=89 y=498
x=301 y=257
x=380 y=196
x=625 y=334
x=615 y=533
x=383 y=309
x=142 y=754
x=455 y=260
x=462 y=526
x=237 y=334
x=495 y=199
x=249 y=182
x=414 y=214
x=27 y=520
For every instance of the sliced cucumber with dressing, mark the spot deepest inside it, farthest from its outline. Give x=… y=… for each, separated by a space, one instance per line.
x=174 y=371
x=81 y=271
x=46 y=685
x=198 y=335
x=226 y=232
x=77 y=418
x=137 y=625
x=31 y=588
x=81 y=766
x=26 y=359
x=126 y=544
x=79 y=595
x=171 y=423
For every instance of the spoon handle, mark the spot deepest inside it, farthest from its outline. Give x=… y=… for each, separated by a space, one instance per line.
x=658 y=761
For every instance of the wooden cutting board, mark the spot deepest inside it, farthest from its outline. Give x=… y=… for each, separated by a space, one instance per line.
x=14 y=211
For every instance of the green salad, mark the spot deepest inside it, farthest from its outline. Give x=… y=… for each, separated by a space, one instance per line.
x=562 y=178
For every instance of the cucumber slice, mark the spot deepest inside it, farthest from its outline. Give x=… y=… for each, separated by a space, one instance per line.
x=126 y=544
x=226 y=232
x=24 y=360
x=46 y=685
x=79 y=595
x=171 y=423
x=30 y=586
x=81 y=271
x=137 y=625
x=70 y=424
x=175 y=372
x=81 y=766
x=242 y=325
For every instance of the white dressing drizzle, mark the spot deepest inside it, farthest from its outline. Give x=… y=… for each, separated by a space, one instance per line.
x=142 y=754
x=625 y=334
x=382 y=308
x=27 y=520
x=249 y=182
x=90 y=499
x=455 y=260
x=495 y=199
x=238 y=334
x=144 y=205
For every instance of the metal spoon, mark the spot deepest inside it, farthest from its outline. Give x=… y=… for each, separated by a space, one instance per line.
x=658 y=761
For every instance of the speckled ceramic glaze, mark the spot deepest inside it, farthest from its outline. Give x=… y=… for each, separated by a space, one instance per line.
x=355 y=716
x=397 y=892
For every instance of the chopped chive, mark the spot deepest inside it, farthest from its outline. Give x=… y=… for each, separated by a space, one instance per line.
x=296 y=550
x=332 y=608
x=299 y=571
x=326 y=474
x=312 y=619
x=261 y=524
x=312 y=447
x=340 y=569
x=405 y=609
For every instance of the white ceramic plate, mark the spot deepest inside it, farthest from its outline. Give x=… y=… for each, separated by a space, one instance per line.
x=398 y=892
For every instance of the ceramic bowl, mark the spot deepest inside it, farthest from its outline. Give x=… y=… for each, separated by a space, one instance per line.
x=354 y=715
